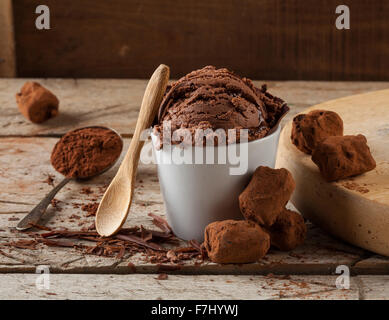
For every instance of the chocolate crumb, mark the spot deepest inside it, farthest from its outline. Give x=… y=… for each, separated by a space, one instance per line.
x=132 y=266
x=355 y=187
x=86 y=190
x=162 y=276
x=55 y=204
x=90 y=208
x=49 y=180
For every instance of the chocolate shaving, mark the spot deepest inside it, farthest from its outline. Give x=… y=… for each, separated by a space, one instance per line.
x=23 y=244
x=40 y=226
x=121 y=253
x=140 y=241
x=57 y=243
x=160 y=223
x=146 y=235
x=128 y=242
x=195 y=244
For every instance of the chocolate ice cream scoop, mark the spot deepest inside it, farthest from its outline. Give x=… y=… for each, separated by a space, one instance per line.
x=218 y=99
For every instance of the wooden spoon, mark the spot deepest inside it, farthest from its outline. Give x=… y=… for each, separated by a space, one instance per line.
x=115 y=204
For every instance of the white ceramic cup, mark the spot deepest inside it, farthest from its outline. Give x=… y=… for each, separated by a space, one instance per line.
x=198 y=194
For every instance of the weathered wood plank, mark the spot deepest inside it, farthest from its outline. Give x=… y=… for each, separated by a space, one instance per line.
x=373 y=287
x=115 y=103
x=111 y=103
x=24 y=165
x=7 y=41
x=375 y=264
x=75 y=286
x=270 y=39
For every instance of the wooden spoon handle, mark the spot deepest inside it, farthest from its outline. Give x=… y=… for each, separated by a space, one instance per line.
x=150 y=104
x=115 y=204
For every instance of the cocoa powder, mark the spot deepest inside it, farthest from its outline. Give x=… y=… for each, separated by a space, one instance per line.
x=86 y=152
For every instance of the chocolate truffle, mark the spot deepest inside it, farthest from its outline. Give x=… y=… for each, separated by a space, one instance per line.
x=37 y=103
x=288 y=231
x=342 y=157
x=309 y=129
x=232 y=241
x=266 y=195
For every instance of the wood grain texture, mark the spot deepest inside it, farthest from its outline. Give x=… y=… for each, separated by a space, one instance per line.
x=268 y=39
x=7 y=44
x=202 y=287
x=24 y=165
x=115 y=103
x=374 y=287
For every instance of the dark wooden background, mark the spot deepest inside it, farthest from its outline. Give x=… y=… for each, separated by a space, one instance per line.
x=261 y=39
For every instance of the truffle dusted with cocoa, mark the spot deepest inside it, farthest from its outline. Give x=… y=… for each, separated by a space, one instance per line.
x=289 y=230
x=342 y=157
x=266 y=195
x=36 y=103
x=232 y=241
x=86 y=152
x=309 y=129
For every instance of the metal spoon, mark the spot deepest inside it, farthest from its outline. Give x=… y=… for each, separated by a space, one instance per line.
x=35 y=214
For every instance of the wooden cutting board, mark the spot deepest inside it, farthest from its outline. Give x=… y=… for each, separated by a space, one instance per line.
x=354 y=209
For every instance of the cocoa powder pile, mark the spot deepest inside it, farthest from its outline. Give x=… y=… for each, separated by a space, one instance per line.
x=86 y=152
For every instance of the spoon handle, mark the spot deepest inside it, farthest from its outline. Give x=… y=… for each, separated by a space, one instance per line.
x=149 y=108
x=115 y=204
x=35 y=214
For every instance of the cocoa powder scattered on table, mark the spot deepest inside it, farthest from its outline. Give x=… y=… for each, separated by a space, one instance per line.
x=49 y=180
x=90 y=208
x=86 y=152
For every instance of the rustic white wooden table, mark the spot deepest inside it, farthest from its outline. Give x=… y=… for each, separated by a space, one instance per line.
x=305 y=273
